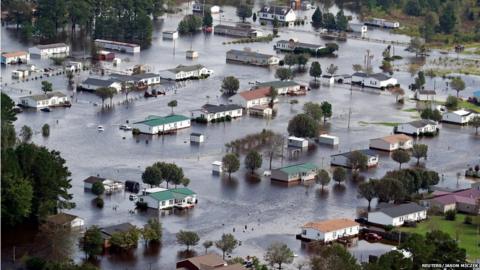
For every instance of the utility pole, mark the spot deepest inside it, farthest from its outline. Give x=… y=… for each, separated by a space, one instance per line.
x=349 y=114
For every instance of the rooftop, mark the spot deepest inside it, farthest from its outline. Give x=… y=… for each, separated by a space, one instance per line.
x=256 y=93
x=395 y=138
x=246 y=53
x=116 y=43
x=367 y=152
x=277 y=84
x=331 y=225
x=427 y=92
x=378 y=76
x=61 y=219
x=211 y=108
x=422 y=123
x=46 y=96
x=14 y=54
x=50 y=46
x=94 y=179
x=98 y=82
x=398 y=210
x=278 y=10
x=462 y=112
x=159 y=120
x=298 y=168
x=122 y=227
x=185 y=68
x=209 y=261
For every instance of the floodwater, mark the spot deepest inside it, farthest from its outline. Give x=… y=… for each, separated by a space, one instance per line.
x=270 y=212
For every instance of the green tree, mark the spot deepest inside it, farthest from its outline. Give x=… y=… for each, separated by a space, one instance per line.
x=357 y=161
x=171 y=173
x=314 y=110
x=254 y=17
x=46 y=130
x=190 y=24
x=104 y=93
x=323 y=178
x=172 y=104
x=339 y=175
x=185 y=181
x=367 y=190
x=341 y=21
x=448 y=19
x=302 y=125
x=326 y=110
x=152 y=231
x=290 y=60
x=390 y=260
x=125 y=240
x=475 y=122
x=8 y=115
x=317 y=18
x=227 y=243
x=207 y=244
x=430 y=23
x=17 y=194
x=187 y=238
x=46 y=87
x=333 y=257
x=244 y=11
x=412 y=8
x=279 y=254
x=400 y=156
x=92 y=242
x=332 y=69
x=457 y=84
x=26 y=133
x=315 y=70
x=419 y=151
x=79 y=13
x=230 y=85
x=253 y=161
x=389 y=189
x=273 y=96
x=274 y=148
x=283 y=74
x=152 y=176
x=207 y=19
x=451 y=103
x=230 y=163
x=98 y=188
x=329 y=21
x=302 y=60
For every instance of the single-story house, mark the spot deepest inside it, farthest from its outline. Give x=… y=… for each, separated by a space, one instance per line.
x=183 y=72
x=251 y=58
x=377 y=80
x=382 y=23
x=213 y=112
x=66 y=221
x=170 y=34
x=397 y=214
x=117 y=46
x=329 y=230
x=108 y=231
x=137 y=79
x=460 y=117
x=108 y=184
x=197 y=137
x=357 y=28
x=15 y=57
x=328 y=139
x=198 y=7
x=254 y=97
x=282 y=87
x=51 y=99
x=424 y=95
x=162 y=124
x=417 y=127
x=327 y=79
x=295 y=173
x=20 y=73
x=50 y=49
x=343 y=159
x=297 y=142
x=292 y=45
x=282 y=14
x=260 y=110
x=392 y=142
x=464 y=200
x=168 y=198
x=73 y=66
x=103 y=55
x=242 y=31
x=207 y=262
x=217 y=167
x=92 y=84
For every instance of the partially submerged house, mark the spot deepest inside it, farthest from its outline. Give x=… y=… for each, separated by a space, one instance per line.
x=109 y=184
x=211 y=112
x=283 y=15
x=418 y=128
x=251 y=58
x=108 y=231
x=295 y=173
x=186 y=72
x=18 y=57
x=424 y=95
x=377 y=80
x=162 y=124
x=464 y=200
x=50 y=49
x=117 y=46
x=392 y=142
x=92 y=84
x=282 y=87
x=377 y=22
x=239 y=31
x=65 y=221
x=293 y=45
x=170 y=198
x=51 y=99
x=397 y=214
x=343 y=159
x=459 y=117
x=329 y=230
x=254 y=97
x=207 y=262
x=297 y=142
x=328 y=140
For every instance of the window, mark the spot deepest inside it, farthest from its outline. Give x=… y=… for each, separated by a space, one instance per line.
x=304 y=232
x=163 y=203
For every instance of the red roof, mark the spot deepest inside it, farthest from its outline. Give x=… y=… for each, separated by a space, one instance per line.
x=256 y=93
x=14 y=54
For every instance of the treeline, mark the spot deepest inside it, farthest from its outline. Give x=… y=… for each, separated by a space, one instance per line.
x=329 y=21
x=120 y=20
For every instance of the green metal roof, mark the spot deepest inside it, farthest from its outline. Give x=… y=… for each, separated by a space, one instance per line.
x=159 y=120
x=278 y=84
x=184 y=191
x=299 y=168
x=175 y=193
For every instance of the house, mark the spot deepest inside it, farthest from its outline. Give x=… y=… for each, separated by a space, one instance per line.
x=66 y=221
x=459 y=117
x=169 y=198
x=343 y=159
x=50 y=49
x=260 y=110
x=328 y=139
x=397 y=214
x=418 y=128
x=284 y=15
x=15 y=57
x=357 y=28
x=251 y=58
x=424 y=95
x=162 y=124
x=198 y=7
x=145 y=79
x=72 y=66
x=295 y=173
x=51 y=99
x=191 y=54
x=329 y=230
x=282 y=87
x=292 y=45
x=392 y=142
x=297 y=142
x=197 y=137
x=117 y=46
x=238 y=31
x=464 y=200
x=184 y=72
x=207 y=262
x=108 y=231
x=382 y=23
x=327 y=79
x=255 y=97
x=20 y=73
x=92 y=84
x=108 y=184
x=105 y=55
x=377 y=80
x=170 y=34
x=211 y=112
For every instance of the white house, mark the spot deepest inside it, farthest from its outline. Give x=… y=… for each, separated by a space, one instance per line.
x=251 y=98
x=51 y=99
x=293 y=44
x=251 y=58
x=295 y=173
x=198 y=7
x=327 y=79
x=109 y=184
x=170 y=34
x=158 y=124
x=460 y=117
x=15 y=57
x=66 y=221
x=392 y=142
x=282 y=87
x=377 y=80
x=357 y=28
x=20 y=73
x=397 y=215
x=197 y=137
x=117 y=46
x=211 y=112
x=297 y=142
x=329 y=230
x=169 y=198
x=424 y=95
x=73 y=66
x=146 y=78
x=183 y=72
x=50 y=49
x=283 y=14
x=328 y=139
x=417 y=127
x=92 y=84
x=343 y=159
x=382 y=23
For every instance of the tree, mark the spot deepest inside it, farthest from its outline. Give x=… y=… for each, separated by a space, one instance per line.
x=230 y=85
x=230 y=163
x=274 y=148
x=475 y=122
x=290 y=60
x=451 y=103
x=358 y=161
x=185 y=181
x=417 y=45
x=357 y=67
x=46 y=87
x=26 y=133
x=302 y=125
x=314 y=110
x=207 y=244
x=448 y=19
x=152 y=231
x=341 y=21
x=315 y=69
x=412 y=8
x=187 y=238
x=430 y=23
x=226 y=244
x=457 y=84
x=302 y=60
x=332 y=69
x=430 y=114
x=125 y=240
x=390 y=260
x=419 y=151
x=244 y=11
x=17 y=194
x=98 y=188
x=279 y=253
x=273 y=96
x=339 y=175
x=400 y=156
x=317 y=18
x=326 y=110
x=367 y=190
x=329 y=21
x=254 y=17
x=127 y=88
x=283 y=74
x=207 y=19
x=171 y=173
x=323 y=178
x=333 y=257
x=389 y=189
x=152 y=176
x=92 y=242
x=104 y=93
x=7 y=114
x=190 y=24
x=46 y=130
x=253 y=160
x=172 y=104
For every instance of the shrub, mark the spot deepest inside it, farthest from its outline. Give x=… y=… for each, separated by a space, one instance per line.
x=45 y=130
x=34 y=263
x=135 y=131
x=450 y=215
x=468 y=220
x=141 y=205
x=99 y=202
x=389 y=228
x=228 y=118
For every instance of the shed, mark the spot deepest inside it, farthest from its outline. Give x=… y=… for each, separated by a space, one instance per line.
x=217 y=167
x=297 y=142
x=196 y=137
x=328 y=139
x=66 y=221
x=191 y=54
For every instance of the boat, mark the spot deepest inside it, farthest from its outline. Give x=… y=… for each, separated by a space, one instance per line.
x=45 y=110
x=100 y=128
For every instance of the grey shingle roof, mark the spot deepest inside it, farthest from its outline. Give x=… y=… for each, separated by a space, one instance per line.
x=367 y=152
x=122 y=227
x=249 y=54
x=98 y=82
x=53 y=45
x=277 y=84
x=378 y=76
x=277 y=10
x=211 y=108
x=422 y=123
x=47 y=96
x=184 y=68
x=399 y=210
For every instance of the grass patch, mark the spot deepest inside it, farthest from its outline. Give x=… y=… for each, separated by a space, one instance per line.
x=465 y=233
x=387 y=124
x=410 y=110
x=444 y=72
x=467 y=105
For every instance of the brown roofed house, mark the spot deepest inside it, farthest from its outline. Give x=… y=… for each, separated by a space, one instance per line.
x=392 y=142
x=329 y=230
x=207 y=262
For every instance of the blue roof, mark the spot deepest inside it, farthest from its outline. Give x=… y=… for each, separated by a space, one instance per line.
x=476 y=94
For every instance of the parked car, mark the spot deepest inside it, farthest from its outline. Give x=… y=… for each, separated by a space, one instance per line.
x=45 y=110
x=125 y=127
x=372 y=237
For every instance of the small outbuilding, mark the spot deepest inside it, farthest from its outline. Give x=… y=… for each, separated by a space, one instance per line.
x=197 y=137
x=65 y=221
x=217 y=167
x=297 y=142
x=328 y=140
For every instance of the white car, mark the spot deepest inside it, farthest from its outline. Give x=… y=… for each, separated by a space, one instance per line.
x=267 y=173
x=125 y=127
x=100 y=128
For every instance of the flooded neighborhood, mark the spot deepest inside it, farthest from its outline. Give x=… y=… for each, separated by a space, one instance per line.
x=229 y=160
